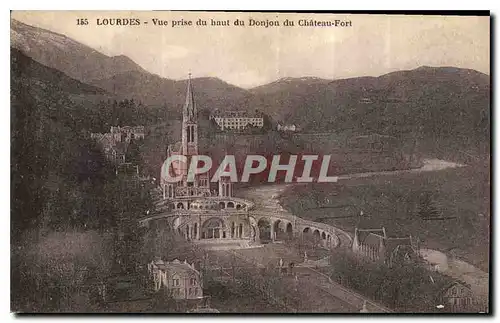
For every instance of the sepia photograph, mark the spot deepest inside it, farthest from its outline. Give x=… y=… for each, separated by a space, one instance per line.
x=250 y=162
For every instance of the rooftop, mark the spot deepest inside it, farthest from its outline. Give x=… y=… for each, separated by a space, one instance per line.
x=236 y=114
x=175 y=266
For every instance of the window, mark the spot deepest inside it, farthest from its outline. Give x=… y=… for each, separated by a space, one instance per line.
x=190 y=291
x=175 y=282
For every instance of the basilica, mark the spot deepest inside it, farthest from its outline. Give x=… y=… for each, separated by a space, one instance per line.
x=199 y=212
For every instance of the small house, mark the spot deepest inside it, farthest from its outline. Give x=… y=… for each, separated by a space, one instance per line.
x=181 y=279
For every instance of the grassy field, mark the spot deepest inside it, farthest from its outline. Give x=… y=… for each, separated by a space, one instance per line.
x=462 y=195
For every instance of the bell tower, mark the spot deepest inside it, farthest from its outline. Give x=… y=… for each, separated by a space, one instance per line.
x=225 y=187
x=189 y=123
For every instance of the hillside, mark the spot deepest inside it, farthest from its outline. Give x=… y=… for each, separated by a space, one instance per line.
x=24 y=66
x=67 y=55
x=211 y=93
x=50 y=153
x=429 y=103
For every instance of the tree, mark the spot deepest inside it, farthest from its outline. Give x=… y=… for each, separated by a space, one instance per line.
x=427 y=208
x=405 y=287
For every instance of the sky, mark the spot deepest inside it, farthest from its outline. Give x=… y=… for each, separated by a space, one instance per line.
x=249 y=56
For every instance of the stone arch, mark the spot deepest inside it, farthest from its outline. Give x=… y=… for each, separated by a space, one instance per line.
x=264 y=226
x=278 y=229
x=240 y=230
x=212 y=228
x=238 y=206
x=335 y=241
x=306 y=230
x=230 y=205
x=316 y=235
x=180 y=205
x=176 y=223
x=323 y=235
x=222 y=205
x=233 y=230
x=289 y=230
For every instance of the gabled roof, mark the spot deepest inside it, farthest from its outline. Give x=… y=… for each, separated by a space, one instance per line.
x=446 y=288
x=176 y=267
x=364 y=233
x=105 y=140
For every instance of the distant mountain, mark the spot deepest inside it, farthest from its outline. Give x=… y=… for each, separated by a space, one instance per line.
x=290 y=84
x=67 y=55
x=437 y=106
x=211 y=93
x=430 y=103
x=119 y=75
x=31 y=71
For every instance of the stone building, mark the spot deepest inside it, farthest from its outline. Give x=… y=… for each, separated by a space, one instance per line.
x=375 y=245
x=237 y=120
x=198 y=212
x=127 y=133
x=181 y=279
x=458 y=297
x=114 y=144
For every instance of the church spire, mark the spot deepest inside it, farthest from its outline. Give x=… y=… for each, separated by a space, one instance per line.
x=189 y=111
x=189 y=123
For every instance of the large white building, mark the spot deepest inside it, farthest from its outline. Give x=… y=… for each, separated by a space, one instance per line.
x=237 y=120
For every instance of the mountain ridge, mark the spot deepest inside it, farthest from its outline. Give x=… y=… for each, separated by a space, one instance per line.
x=428 y=102
x=63 y=53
